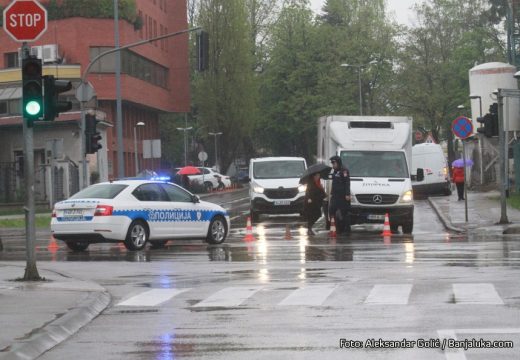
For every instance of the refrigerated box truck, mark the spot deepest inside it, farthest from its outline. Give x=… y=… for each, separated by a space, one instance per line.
x=377 y=152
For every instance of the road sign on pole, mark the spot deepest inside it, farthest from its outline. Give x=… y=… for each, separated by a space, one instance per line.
x=25 y=20
x=462 y=127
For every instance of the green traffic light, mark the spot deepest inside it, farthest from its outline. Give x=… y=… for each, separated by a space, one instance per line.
x=33 y=107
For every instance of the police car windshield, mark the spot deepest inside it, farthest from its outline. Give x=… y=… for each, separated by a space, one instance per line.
x=388 y=164
x=102 y=191
x=282 y=169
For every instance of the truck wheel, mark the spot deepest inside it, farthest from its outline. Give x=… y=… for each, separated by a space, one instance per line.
x=408 y=228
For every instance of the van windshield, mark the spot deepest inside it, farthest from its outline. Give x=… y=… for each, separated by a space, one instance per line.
x=282 y=169
x=388 y=164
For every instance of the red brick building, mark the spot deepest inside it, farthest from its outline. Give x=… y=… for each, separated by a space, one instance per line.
x=155 y=77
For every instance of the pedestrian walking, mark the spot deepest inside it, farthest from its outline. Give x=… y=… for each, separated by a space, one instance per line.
x=457 y=176
x=339 y=205
x=313 y=202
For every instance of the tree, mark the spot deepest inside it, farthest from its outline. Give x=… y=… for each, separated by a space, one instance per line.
x=225 y=96
x=435 y=57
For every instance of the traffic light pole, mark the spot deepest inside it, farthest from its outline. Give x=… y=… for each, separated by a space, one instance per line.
x=504 y=178
x=120 y=147
x=31 y=271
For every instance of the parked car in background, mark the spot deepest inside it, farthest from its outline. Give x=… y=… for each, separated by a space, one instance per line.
x=430 y=157
x=211 y=179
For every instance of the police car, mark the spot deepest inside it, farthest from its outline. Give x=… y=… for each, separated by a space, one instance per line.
x=136 y=212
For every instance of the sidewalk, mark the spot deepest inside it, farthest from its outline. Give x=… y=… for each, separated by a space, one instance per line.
x=36 y=316
x=483 y=212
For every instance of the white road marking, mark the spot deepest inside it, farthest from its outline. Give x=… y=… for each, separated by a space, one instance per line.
x=312 y=295
x=396 y=294
x=235 y=201
x=476 y=294
x=229 y=297
x=152 y=297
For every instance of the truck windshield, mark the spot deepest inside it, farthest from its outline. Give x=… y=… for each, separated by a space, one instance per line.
x=283 y=169
x=388 y=164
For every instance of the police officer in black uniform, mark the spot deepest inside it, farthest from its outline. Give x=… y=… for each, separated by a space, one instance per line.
x=339 y=205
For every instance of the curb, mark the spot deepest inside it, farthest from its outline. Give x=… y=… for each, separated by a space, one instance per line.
x=445 y=221
x=60 y=329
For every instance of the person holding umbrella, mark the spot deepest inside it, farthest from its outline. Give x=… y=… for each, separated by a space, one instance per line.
x=314 y=194
x=457 y=175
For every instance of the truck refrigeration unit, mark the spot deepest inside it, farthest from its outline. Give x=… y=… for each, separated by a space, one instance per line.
x=377 y=151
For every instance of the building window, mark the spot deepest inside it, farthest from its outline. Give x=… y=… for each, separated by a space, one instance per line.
x=15 y=106
x=133 y=65
x=4 y=108
x=12 y=60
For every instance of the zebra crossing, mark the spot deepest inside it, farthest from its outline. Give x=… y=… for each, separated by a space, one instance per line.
x=318 y=295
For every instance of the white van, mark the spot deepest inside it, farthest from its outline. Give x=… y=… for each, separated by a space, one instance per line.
x=274 y=185
x=431 y=159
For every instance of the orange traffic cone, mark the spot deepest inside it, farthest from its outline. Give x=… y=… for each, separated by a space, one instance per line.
x=249 y=230
x=287 y=232
x=386 y=228
x=53 y=245
x=332 y=232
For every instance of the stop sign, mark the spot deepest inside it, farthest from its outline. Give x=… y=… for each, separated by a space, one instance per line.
x=25 y=20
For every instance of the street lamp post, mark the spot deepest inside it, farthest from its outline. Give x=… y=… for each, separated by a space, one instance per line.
x=216 y=153
x=185 y=129
x=359 y=67
x=140 y=123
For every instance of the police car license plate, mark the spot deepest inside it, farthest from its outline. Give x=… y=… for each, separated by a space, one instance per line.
x=282 y=202
x=376 y=217
x=73 y=212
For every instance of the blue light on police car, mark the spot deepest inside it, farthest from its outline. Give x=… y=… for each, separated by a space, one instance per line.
x=160 y=178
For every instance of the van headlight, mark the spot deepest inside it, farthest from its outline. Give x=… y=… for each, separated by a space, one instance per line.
x=302 y=188
x=258 y=189
x=407 y=197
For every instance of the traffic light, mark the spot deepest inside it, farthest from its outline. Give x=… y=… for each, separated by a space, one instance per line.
x=485 y=128
x=92 y=136
x=493 y=111
x=202 y=51
x=32 y=89
x=53 y=106
x=489 y=122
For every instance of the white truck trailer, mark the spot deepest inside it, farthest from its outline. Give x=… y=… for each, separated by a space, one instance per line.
x=377 y=151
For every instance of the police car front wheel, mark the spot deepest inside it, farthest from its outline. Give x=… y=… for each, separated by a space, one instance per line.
x=137 y=235
x=217 y=230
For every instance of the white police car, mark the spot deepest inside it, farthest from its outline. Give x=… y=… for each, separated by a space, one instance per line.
x=136 y=212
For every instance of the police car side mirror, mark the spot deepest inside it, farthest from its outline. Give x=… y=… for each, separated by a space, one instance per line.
x=195 y=199
x=419 y=176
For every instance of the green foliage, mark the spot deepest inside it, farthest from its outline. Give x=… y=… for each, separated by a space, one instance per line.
x=225 y=96
x=93 y=9
x=41 y=222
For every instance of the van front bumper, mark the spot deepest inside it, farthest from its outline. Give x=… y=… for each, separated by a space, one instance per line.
x=264 y=206
x=397 y=214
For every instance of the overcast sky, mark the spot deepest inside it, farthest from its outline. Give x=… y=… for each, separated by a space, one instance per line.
x=401 y=9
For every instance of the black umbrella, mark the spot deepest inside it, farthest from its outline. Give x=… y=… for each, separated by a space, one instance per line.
x=322 y=169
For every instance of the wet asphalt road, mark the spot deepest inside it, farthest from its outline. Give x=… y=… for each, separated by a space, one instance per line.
x=287 y=296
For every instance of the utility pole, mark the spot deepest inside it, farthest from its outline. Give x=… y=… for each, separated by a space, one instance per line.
x=119 y=106
x=216 y=152
x=31 y=271
x=502 y=155
x=185 y=129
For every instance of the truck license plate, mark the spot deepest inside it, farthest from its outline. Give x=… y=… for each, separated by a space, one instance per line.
x=376 y=217
x=282 y=202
